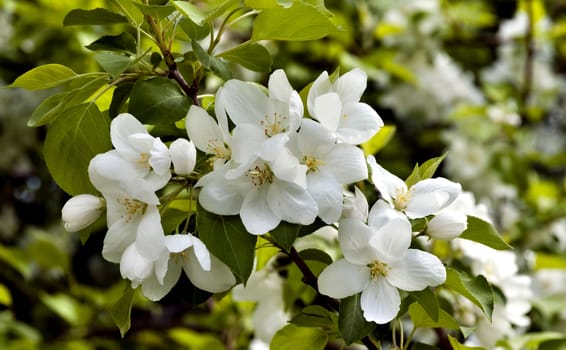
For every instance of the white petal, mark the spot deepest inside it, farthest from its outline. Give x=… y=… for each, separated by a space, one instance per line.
x=296 y=111
x=273 y=146
x=220 y=196
x=447 y=225
x=150 y=239
x=342 y=279
x=245 y=103
x=431 y=195
x=203 y=130
x=286 y=167
x=327 y=110
x=256 y=214
x=355 y=206
x=153 y=290
x=291 y=203
x=120 y=235
x=178 y=242
x=121 y=128
x=351 y=85
x=393 y=237
x=161 y=265
x=319 y=87
x=217 y=280
x=80 y=211
x=328 y=196
x=314 y=139
x=347 y=163
x=358 y=123
x=416 y=271
x=354 y=237
x=160 y=159
x=386 y=183
x=134 y=266
x=247 y=142
x=380 y=301
x=183 y=156
x=201 y=253
x=279 y=86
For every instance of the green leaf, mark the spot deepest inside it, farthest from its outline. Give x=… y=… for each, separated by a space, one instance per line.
x=427 y=299
x=214 y=64
x=123 y=42
x=113 y=63
x=44 y=77
x=379 y=140
x=220 y=9
x=119 y=97
x=292 y=337
x=252 y=56
x=424 y=171
x=54 y=105
x=314 y=316
x=483 y=232
x=5 y=296
x=351 y=322
x=191 y=12
x=457 y=346
x=414 y=177
x=158 y=101
x=476 y=289
x=122 y=309
x=315 y=255
x=421 y=319
x=156 y=11
x=227 y=239
x=301 y=21
x=98 y=16
x=67 y=308
x=129 y=9
x=193 y=30
x=72 y=140
x=16 y=259
x=285 y=234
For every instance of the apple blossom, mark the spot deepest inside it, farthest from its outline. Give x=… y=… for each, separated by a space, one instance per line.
x=447 y=225
x=208 y=136
x=183 y=156
x=81 y=211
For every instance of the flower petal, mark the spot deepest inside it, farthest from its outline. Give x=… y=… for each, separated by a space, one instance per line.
x=279 y=86
x=134 y=266
x=204 y=132
x=351 y=85
x=354 y=237
x=218 y=279
x=122 y=126
x=447 y=225
x=327 y=109
x=431 y=195
x=291 y=202
x=220 y=196
x=256 y=214
x=153 y=290
x=347 y=163
x=150 y=239
x=247 y=142
x=160 y=159
x=342 y=279
x=120 y=235
x=178 y=242
x=327 y=194
x=393 y=237
x=386 y=183
x=201 y=253
x=245 y=103
x=358 y=123
x=320 y=86
x=314 y=139
x=417 y=270
x=380 y=301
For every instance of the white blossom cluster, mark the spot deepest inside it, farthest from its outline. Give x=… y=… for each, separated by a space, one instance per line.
x=274 y=165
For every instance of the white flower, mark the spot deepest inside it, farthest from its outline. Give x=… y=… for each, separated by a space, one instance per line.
x=330 y=166
x=262 y=121
x=208 y=136
x=258 y=193
x=377 y=262
x=183 y=156
x=131 y=203
x=336 y=106
x=423 y=198
x=187 y=253
x=132 y=141
x=355 y=205
x=447 y=225
x=81 y=211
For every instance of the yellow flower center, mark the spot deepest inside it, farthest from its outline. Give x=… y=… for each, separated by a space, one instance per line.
x=131 y=207
x=378 y=269
x=144 y=159
x=402 y=198
x=259 y=175
x=312 y=163
x=273 y=124
x=218 y=149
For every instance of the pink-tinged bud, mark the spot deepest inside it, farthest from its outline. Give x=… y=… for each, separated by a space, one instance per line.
x=447 y=225
x=81 y=211
x=183 y=156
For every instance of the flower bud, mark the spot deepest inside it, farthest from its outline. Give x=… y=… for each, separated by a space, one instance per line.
x=81 y=211
x=447 y=225
x=183 y=156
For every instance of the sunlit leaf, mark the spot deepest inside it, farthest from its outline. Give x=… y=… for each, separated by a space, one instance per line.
x=123 y=42
x=379 y=140
x=156 y=11
x=457 y=346
x=427 y=299
x=483 y=232
x=112 y=62
x=214 y=64
x=44 y=77
x=121 y=310
x=5 y=296
x=421 y=319
x=98 y=16
x=476 y=289
x=129 y=9
x=252 y=56
x=193 y=30
x=292 y=337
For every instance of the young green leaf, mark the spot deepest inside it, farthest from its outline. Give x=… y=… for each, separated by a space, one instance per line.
x=227 y=239
x=156 y=11
x=122 y=309
x=314 y=316
x=192 y=29
x=98 y=16
x=220 y=9
x=44 y=77
x=158 y=101
x=483 y=232
x=476 y=289
x=457 y=346
x=428 y=168
x=351 y=322
x=190 y=12
x=73 y=139
x=427 y=299
x=123 y=42
x=302 y=21
x=128 y=8
x=379 y=140
x=421 y=319
x=292 y=337
x=252 y=56
x=214 y=64
x=112 y=62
